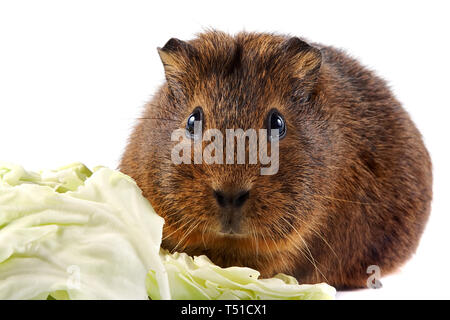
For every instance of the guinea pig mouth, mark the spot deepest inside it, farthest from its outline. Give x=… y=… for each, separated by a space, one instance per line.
x=230 y=233
x=230 y=222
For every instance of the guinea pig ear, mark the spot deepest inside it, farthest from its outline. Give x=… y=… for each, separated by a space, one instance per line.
x=305 y=59
x=174 y=55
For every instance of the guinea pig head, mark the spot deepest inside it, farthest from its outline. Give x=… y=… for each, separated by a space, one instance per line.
x=222 y=92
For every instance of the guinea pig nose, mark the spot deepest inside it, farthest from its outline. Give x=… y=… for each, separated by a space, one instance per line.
x=235 y=199
x=220 y=197
x=240 y=198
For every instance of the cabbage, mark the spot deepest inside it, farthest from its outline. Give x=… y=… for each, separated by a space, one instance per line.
x=198 y=278
x=76 y=234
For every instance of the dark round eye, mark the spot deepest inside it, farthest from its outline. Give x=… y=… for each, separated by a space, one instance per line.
x=196 y=115
x=275 y=121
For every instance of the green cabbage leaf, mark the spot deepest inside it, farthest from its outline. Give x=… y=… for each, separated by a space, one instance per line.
x=74 y=234
x=198 y=278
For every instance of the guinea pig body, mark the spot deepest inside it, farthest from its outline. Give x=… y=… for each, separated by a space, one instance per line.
x=353 y=186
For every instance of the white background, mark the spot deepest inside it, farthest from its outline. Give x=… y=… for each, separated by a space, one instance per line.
x=75 y=74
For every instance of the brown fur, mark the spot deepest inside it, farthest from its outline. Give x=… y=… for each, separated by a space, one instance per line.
x=354 y=182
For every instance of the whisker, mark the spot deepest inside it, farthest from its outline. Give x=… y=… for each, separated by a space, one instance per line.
x=190 y=229
x=267 y=245
x=255 y=236
x=326 y=242
x=312 y=260
x=317 y=233
x=181 y=220
x=203 y=233
x=344 y=200
x=164 y=119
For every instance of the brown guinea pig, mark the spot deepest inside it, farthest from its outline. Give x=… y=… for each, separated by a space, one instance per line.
x=353 y=183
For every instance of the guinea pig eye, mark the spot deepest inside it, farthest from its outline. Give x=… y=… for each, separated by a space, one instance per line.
x=275 y=121
x=196 y=115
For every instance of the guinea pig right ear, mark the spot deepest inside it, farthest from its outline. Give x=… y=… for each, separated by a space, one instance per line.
x=175 y=55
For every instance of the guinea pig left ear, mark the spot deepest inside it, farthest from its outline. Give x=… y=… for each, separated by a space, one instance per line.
x=304 y=58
